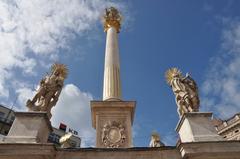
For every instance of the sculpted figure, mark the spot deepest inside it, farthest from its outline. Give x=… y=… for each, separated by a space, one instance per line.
x=185 y=90
x=49 y=90
x=155 y=140
x=65 y=140
x=112 y=17
x=112 y=14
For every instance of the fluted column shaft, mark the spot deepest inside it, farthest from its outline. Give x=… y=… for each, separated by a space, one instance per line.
x=112 y=83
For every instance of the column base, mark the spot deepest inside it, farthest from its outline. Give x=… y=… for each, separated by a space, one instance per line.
x=197 y=127
x=29 y=127
x=113 y=123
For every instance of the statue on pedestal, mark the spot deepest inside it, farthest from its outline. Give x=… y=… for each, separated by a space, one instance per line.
x=185 y=90
x=49 y=90
x=155 y=140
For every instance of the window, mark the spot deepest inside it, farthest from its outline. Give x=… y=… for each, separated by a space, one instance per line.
x=12 y=118
x=54 y=138
x=73 y=143
x=2 y=115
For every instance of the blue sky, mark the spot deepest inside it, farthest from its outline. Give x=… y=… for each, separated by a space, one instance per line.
x=199 y=37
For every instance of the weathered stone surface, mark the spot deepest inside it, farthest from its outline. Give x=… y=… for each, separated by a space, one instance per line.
x=193 y=150
x=29 y=127
x=196 y=126
x=27 y=151
x=122 y=153
x=113 y=122
x=210 y=150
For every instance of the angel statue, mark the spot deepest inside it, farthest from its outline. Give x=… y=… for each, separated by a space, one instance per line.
x=185 y=90
x=49 y=90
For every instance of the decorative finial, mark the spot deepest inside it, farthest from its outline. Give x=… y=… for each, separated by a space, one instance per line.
x=185 y=90
x=155 y=140
x=112 y=18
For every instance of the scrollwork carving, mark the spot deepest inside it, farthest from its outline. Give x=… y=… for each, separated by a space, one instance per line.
x=113 y=134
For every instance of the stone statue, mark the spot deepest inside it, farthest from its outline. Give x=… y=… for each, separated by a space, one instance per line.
x=185 y=90
x=49 y=90
x=155 y=140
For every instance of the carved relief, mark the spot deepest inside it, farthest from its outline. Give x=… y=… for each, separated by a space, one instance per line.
x=113 y=134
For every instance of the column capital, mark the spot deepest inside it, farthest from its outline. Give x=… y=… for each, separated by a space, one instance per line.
x=112 y=18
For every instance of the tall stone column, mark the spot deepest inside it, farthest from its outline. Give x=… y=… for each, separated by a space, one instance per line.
x=112 y=118
x=112 y=83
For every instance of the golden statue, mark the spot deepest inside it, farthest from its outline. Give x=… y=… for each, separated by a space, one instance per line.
x=49 y=90
x=65 y=140
x=185 y=90
x=112 y=18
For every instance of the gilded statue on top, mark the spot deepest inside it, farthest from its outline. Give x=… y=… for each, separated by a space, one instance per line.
x=49 y=90
x=65 y=141
x=185 y=90
x=112 y=18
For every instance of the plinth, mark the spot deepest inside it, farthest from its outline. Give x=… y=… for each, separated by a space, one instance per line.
x=197 y=127
x=113 y=123
x=29 y=127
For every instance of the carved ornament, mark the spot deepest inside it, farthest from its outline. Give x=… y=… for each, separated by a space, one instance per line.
x=113 y=134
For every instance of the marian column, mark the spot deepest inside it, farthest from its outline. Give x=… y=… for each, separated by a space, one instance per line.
x=112 y=84
x=112 y=117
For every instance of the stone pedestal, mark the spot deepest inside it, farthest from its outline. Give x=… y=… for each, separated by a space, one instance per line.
x=29 y=127
x=113 y=123
x=197 y=127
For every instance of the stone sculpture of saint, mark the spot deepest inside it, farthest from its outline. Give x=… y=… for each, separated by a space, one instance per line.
x=49 y=90
x=185 y=90
x=155 y=140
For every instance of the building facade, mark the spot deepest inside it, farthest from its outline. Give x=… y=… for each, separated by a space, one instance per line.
x=6 y=119
x=230 y=128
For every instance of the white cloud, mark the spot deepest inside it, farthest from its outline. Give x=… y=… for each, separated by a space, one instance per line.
x=33 y=31
x=221 y=89
x=23 y=94
x=31 y=34
x=73 y=109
